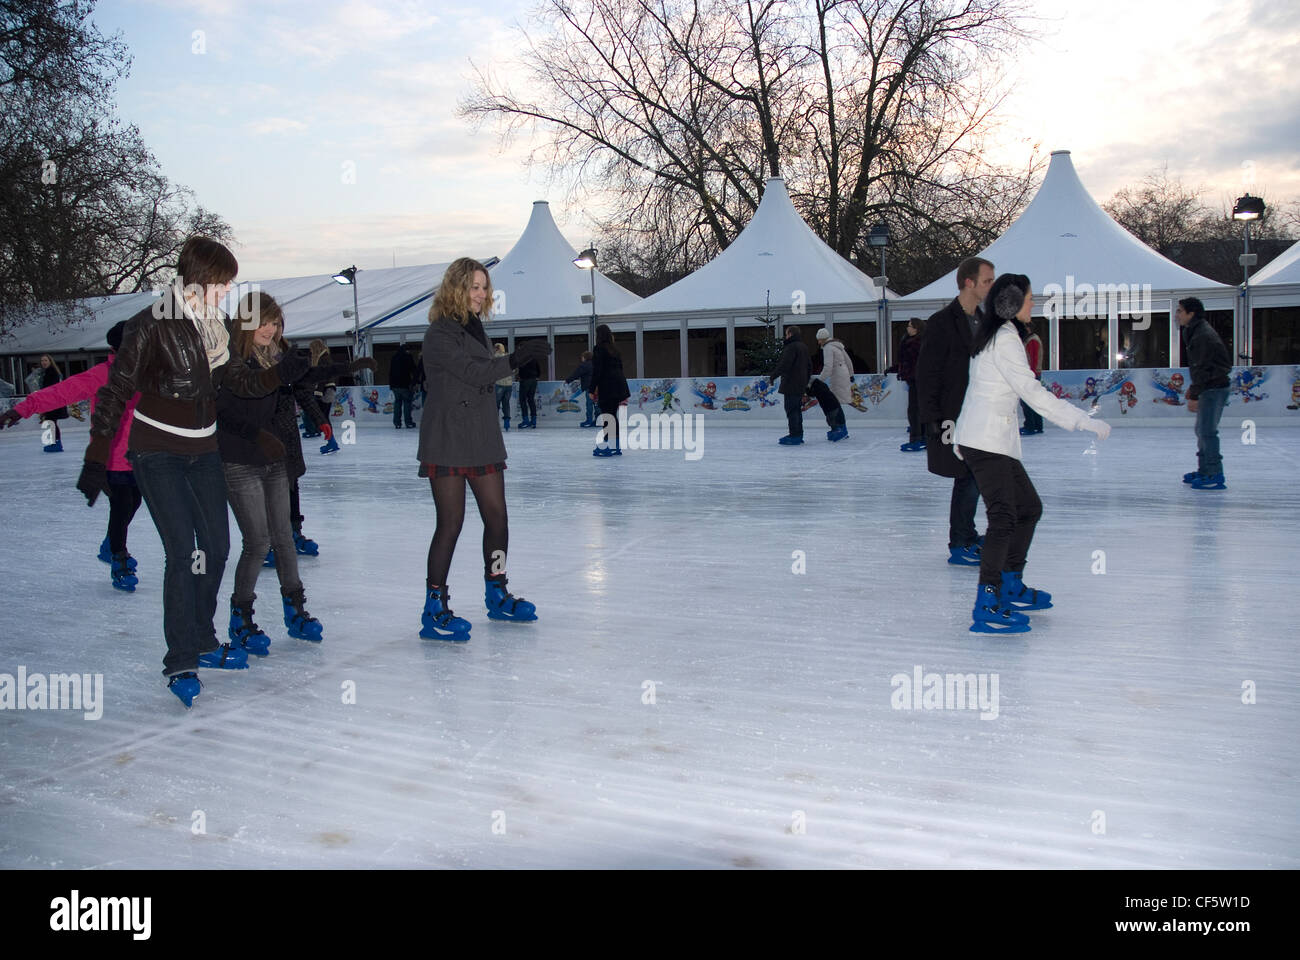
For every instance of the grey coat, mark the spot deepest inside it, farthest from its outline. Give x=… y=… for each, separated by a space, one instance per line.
x=458 y=424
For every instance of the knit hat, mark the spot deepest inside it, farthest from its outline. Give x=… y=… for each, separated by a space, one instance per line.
x=114 y=335
x=1009 y=301
x=823 y=334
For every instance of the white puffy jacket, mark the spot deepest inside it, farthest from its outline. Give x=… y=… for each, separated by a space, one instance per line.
x=999 y=379
x=837 y=370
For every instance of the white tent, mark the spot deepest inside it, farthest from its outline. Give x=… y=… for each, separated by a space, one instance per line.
x=1063 y=234
x=777 y=257
x=84 y=336
x=1285 y=268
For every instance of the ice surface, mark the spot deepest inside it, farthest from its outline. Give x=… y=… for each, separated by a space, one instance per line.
x=771 y=740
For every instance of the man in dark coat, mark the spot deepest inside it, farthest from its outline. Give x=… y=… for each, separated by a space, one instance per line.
x=794 y=369
x=401 y=374
x=1209 y=363
x=942 y=374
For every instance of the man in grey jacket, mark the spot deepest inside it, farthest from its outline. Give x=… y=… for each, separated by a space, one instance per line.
x=1209 y=363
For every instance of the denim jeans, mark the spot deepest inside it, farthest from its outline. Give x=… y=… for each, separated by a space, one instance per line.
x=1013 y=508
x=794 y=413
x=186 y=496
x=401 y=406
x=961 y=511
x=1209 y=410
x=503 y=399
x=591 y=407
x=259 y=498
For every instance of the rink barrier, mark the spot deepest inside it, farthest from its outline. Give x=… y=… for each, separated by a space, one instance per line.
x=1138 y=397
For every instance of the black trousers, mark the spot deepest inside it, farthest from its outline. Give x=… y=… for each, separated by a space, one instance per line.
x=123 y=502
x=794 y=413
x=1013 y=508
x=528 y=399
x=914 y=430
x=830 y=404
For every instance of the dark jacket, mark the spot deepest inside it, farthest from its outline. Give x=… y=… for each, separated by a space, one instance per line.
x=240 y=418
x=401 y=369
x=794 y=367
x=942 y=374
x=908 y=353
x=459 y=426
x=1207 y=357
x=163 y=358
x=581 y=373
x=607 y=377
x=531 y=370
x=49 y=377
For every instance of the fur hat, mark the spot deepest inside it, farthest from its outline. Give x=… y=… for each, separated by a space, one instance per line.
x=823 y=334
x=1009 y=301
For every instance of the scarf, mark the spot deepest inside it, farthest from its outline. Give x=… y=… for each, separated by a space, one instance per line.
x=211 y=324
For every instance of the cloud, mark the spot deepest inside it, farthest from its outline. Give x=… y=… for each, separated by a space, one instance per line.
x=274 y=125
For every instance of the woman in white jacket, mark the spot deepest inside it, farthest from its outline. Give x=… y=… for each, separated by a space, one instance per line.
x=987 y=437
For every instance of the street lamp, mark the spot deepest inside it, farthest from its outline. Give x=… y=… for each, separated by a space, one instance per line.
x=879 y=237
x=587 y=261
x=348 y=277
x=1247 y=209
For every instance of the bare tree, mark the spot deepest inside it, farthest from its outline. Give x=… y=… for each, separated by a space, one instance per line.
x=681 y=109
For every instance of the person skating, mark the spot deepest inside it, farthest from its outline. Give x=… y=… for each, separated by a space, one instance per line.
x=529 y=373
x=942 y=372
x=833 y=386
x=794 y=370
x=176 y=355
x=1209 y=363
x=610 y=391
x=582 y=376
x=123 y=494
x=460 y=444
x=401 y=376
x=987 y=439
x=909 y=351
x=1034 y=357
x=50 y=375
x=504 y=387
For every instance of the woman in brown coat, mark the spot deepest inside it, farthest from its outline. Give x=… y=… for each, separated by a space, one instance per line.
x=460 y=444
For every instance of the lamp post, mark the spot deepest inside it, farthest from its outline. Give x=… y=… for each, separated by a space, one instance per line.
x=879 y=237
x=587 y=261
x=1247 y=209
x=348 y=277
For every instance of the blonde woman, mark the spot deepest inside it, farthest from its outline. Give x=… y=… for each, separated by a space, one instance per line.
x=461 y=444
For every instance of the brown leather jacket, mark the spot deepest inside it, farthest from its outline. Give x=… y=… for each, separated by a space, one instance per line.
x=163 y=358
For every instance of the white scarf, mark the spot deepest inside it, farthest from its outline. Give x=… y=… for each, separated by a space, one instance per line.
x=211 y=324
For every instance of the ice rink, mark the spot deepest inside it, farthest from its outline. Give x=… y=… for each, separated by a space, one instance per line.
x=688 y=697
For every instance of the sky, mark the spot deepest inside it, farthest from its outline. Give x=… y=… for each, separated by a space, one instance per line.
x=325 y=131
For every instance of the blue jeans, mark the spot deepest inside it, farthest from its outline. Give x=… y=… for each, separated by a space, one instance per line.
x=591 y=407
x=402 y=406
x=186 y=496
x=259 y=498
x=1209 y=409
x=503 y=400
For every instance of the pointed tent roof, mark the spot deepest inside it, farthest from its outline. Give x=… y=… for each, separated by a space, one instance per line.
x=778 y=252
x=1064 y=231
x=1284 y=268
x=537 y=278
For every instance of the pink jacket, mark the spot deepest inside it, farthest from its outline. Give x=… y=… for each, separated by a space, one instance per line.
x=74 y=389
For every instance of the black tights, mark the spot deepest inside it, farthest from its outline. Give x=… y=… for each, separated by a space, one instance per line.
x=123 y=502
x=449 y=500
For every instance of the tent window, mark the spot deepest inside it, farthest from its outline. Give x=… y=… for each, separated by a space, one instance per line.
x=663 y=357
x=859 y=338
x=1084 y=343
x=706 y=352
x=1144 y=348
x=569 y=348
x=1276 y=335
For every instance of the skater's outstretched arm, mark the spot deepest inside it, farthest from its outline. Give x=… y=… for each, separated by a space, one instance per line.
x=81 y=386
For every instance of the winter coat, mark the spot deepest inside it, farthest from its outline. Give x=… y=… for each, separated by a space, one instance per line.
x=532 y=370
x=459 y=426
x=908 y=353
x=401 y=370
x=607 y=378
x=999 y=379
x=794 y=368
x=581 y=373
x=240 y=418
x=942 y=373
x=1207 y=357
x=49 y=377
x=837 y=370
x=164 y=360
x=83 y=386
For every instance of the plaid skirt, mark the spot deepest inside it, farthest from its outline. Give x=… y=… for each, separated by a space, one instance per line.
x=433 y=471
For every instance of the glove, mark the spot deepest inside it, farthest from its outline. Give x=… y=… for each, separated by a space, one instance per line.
x=528 y=352
x=270 y=445
x=9 y=418
x=93 y=481
x=1100 y=427
x=293 y=366
x=327 y=431
x=362 y=363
